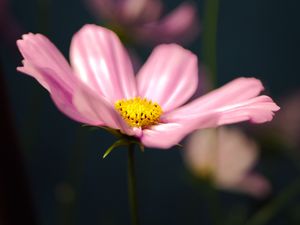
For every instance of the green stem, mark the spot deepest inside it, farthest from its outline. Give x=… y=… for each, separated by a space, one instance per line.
x=210 y=26
x=268 y=211
x=132 y=186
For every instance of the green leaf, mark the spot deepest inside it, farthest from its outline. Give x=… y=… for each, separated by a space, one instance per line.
x=121 y=142
x=123 y=138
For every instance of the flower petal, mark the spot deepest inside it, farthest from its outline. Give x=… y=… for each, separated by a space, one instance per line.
x=38 y=51
x=235 y=91
x=167 y=135
x=99 y=109
x=180 y=26
x=161 y=136
x=258 y=110
x=235 y=108
x=101 y=62
x=45 y=63
x=169 y=77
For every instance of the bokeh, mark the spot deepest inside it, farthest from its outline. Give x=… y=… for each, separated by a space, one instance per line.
x=52 y=171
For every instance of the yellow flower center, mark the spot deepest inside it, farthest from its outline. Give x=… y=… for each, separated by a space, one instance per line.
x=139 y=112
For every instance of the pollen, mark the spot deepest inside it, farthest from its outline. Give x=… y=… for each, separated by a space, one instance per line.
x=139 y=112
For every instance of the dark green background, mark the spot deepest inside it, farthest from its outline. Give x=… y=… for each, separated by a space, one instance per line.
x=255 y=38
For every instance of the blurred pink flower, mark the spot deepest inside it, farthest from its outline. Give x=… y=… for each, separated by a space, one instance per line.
x=101 y=90
x=9 y=29
x=144 y=22
x=227 y=156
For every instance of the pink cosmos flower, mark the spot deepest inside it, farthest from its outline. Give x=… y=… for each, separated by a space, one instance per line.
x=100 y=88
x=227 y=156
x=144 y=21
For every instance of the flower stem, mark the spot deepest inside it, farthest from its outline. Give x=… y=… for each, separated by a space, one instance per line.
x=210 y=38
x=132 y=186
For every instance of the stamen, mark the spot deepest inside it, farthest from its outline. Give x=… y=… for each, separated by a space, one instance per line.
x=139 y=112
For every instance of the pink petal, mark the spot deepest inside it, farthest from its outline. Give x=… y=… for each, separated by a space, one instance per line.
x=169 y=77
x=234 y=108
x=101 y=62
x=234 y=102
x=161 y=136
x=99 y=109
x=38 y=51
x=167 y=135
x=179 y=26
x=235 y=91
x=257 y=110
x=45 y=63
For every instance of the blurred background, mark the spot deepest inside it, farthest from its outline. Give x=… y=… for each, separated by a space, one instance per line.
x=52 y=171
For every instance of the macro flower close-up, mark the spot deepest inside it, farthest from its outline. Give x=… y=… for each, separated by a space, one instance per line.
x=100 y=89
x=149 y=112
